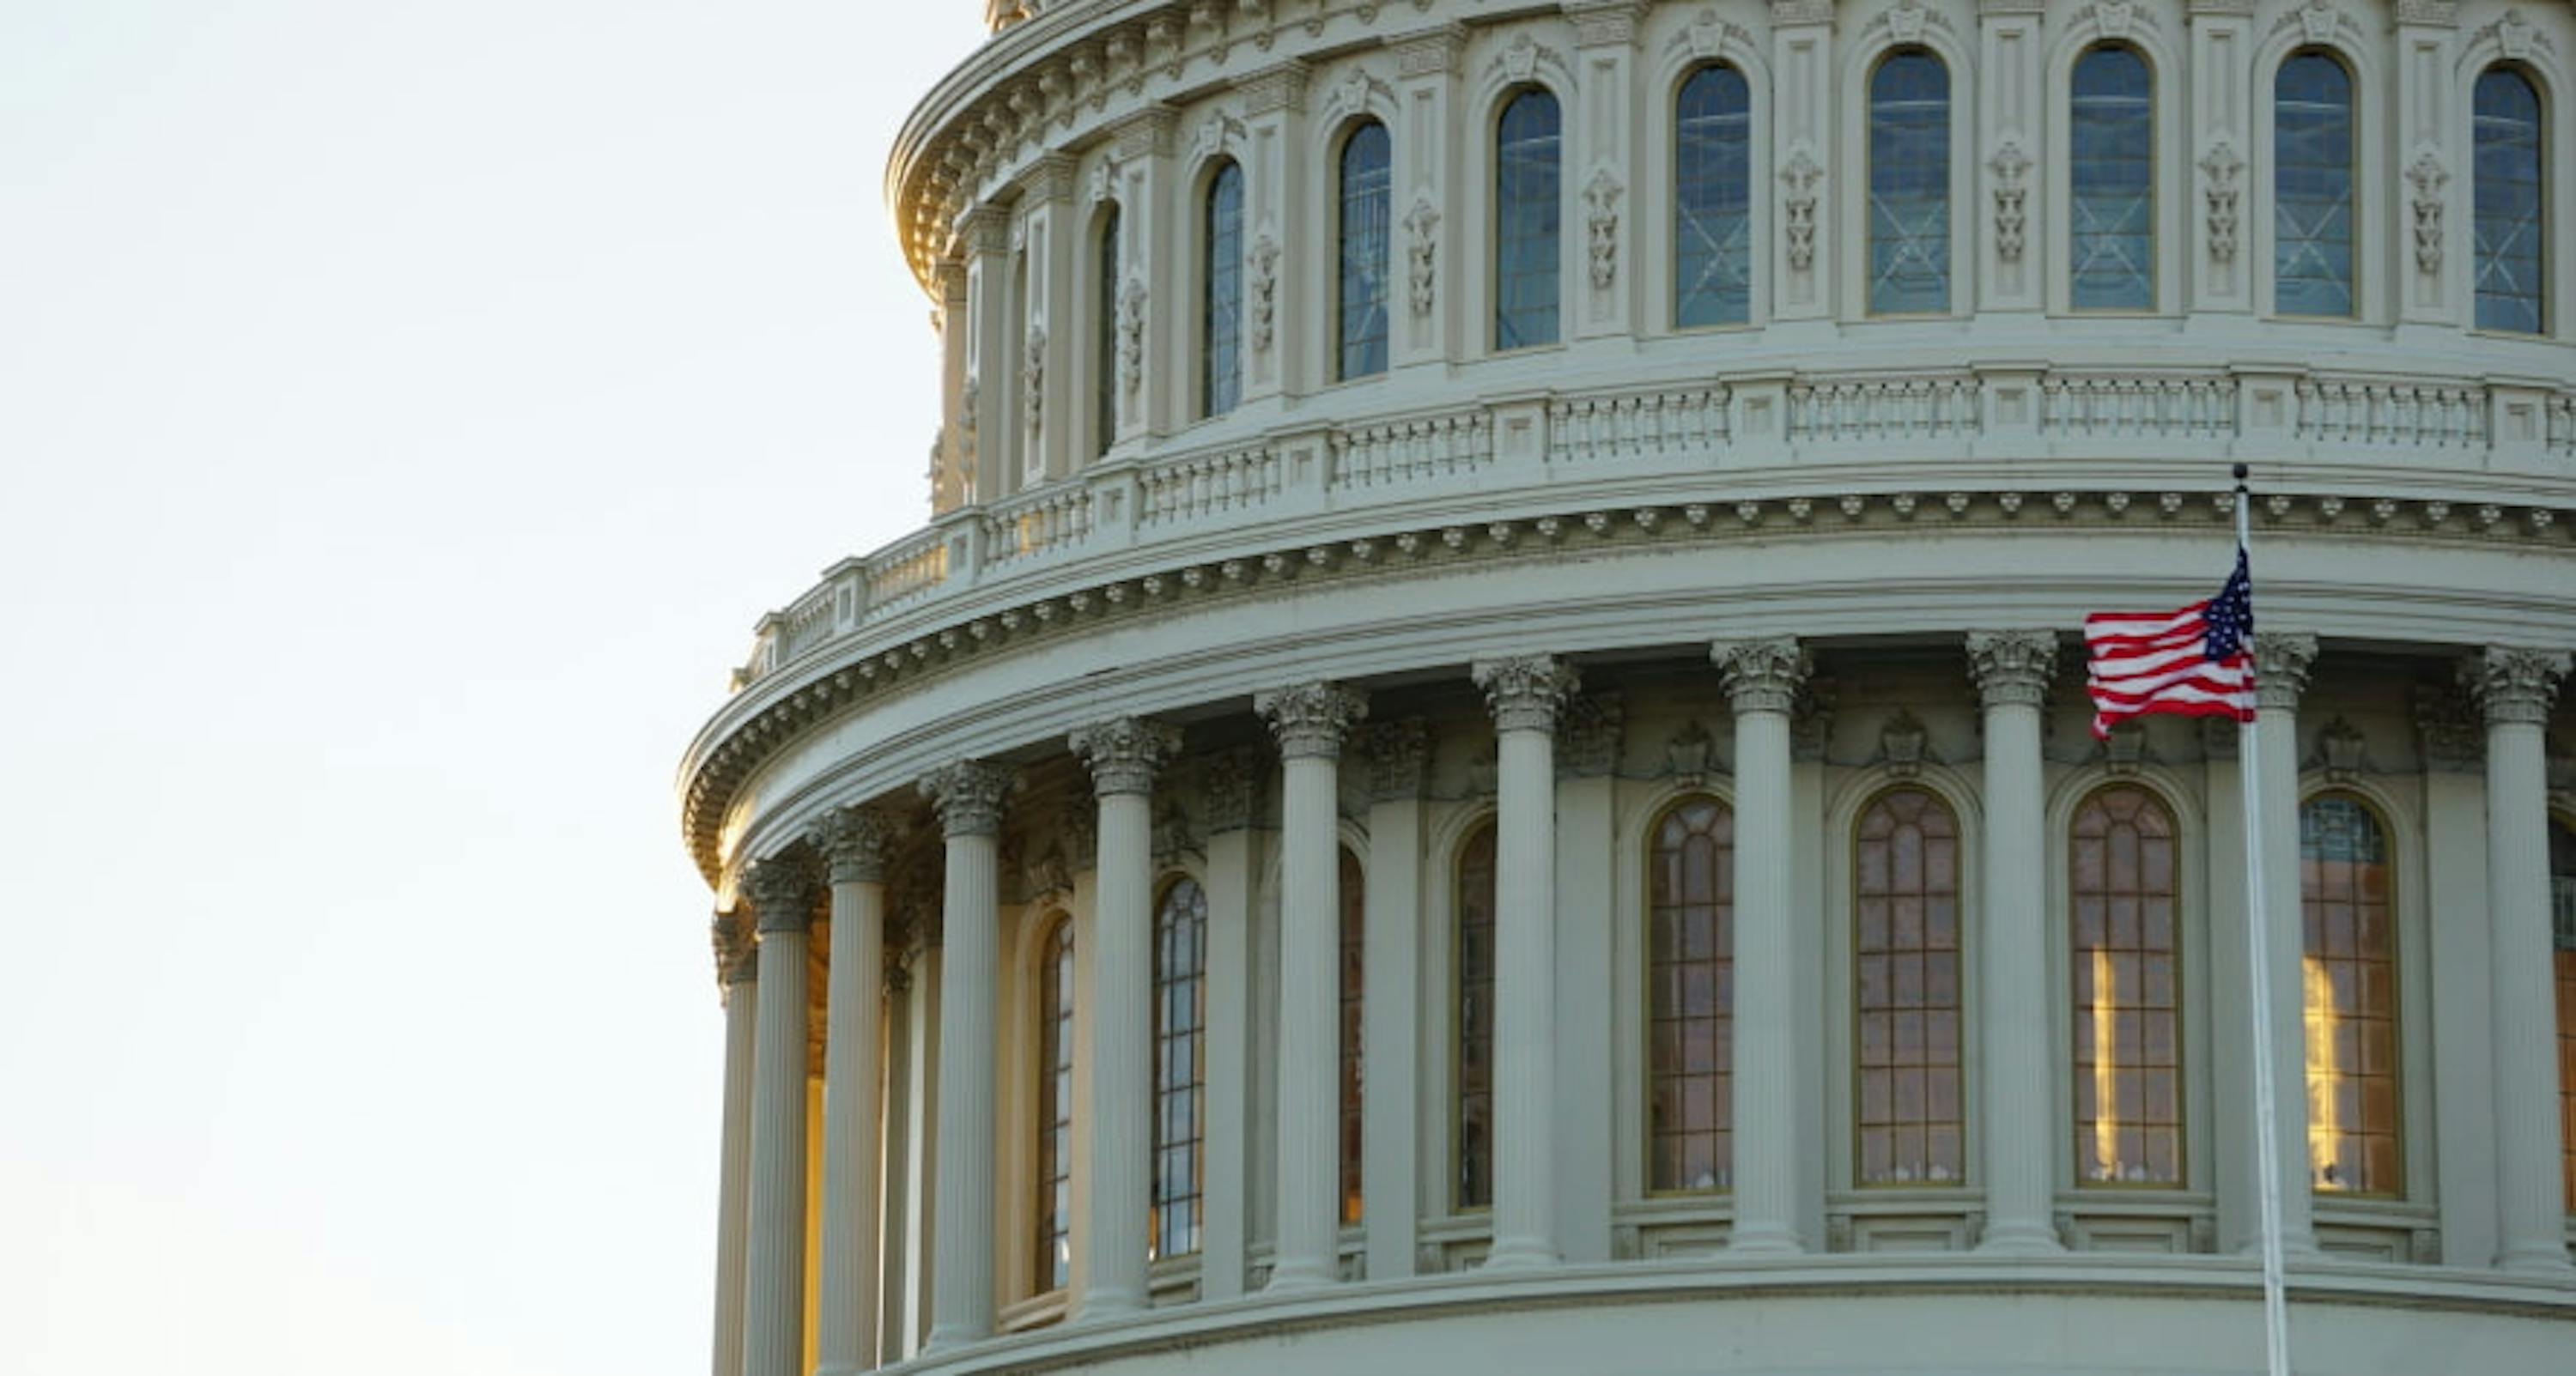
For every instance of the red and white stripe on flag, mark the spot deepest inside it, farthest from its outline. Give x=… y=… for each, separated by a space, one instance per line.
x=2147 y=662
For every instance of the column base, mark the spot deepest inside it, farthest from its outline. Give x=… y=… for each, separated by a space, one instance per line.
x=2020 y=1240
x=1100 y=1306
x=1764 y=1240
x=1521 y=1254
x=1289 y=1277
x=2537 y=1260
x=946 y=1337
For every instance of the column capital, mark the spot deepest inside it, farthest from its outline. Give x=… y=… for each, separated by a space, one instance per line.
x=782 y=894
x=1600 y=23
x=1123 y=753
x=1399 y=758
x=853 y=842
x=968 y=796
x=737 y=955
x=2516 y=685
x=1525 y=691
x=2281 y=660
x=1762 y=675
x=2012 y=668
x=1311 y=720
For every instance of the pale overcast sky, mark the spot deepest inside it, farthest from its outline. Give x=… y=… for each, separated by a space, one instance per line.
x=405 y=412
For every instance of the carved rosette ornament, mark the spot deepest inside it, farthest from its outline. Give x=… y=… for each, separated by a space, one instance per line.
x=2281 y=660
x=1601 y=224
x=1124 y=752
x=1399 y=758
x=737 y=955
x=2516 y=686
x=2221 y=165
x=2012 y=668
x=853 y=842
x=1422 y=253
x=1762 y=675
x=1230 y=788
x=782 y=894
x=2427 y=177
x=1525 y=692
x=1312 y=719
x=968 y=797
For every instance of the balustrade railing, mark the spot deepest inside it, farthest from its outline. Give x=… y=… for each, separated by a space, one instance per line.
x=1411 y=450
x=1035 y=523
x=1210 y=485
x=1686 y=425
x=1863 y=410
x=2108 y=407
x=2340 y=412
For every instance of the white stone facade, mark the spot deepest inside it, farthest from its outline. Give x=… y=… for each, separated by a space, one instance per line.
x=1791 y=566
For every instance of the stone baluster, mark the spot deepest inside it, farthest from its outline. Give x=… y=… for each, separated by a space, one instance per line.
x=738 y=974
x=853 y=844
x=782 y=895
x=968 y=796
x=1762 y=680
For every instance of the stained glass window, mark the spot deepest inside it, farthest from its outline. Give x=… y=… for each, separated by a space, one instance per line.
x=1221 y=309
x=1526 y=190
x=1906 y=977
x=2349 y=970
x=2126 y=962
x=2111 y=212
x=1473 y=1185
x=1055 y=1107
x=2312 y=181
x=1354 y=896
x=2511 y=233
x=1909 y=185
x=1104 y=338
x=1367 y=245
x=1690 y=999
x=1180 y=1021
x=1712 y=200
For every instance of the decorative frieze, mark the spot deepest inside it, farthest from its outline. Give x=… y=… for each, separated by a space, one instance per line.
x=2012 y=668
x=968 y=797
x=1033 y=376
x=1762 y=675
x=1124 y=753
x=1131 y=336
x=2516 y=685
x=1525 y=692
x=1263 y=289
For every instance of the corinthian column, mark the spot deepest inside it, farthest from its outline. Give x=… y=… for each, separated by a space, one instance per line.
x=1525 y=693
x=1762 y=679
x=1118 y=1159
x=968 y=795
x=1311 y=721
x=2280 y=675
x=2516 y=687
x=853 y=843
x=782 y=893
x=737 y=972
x=2012 y=670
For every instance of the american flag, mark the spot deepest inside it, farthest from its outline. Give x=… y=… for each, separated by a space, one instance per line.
x=2195 y=661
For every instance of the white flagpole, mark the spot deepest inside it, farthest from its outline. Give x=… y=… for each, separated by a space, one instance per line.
x=2276 y=1336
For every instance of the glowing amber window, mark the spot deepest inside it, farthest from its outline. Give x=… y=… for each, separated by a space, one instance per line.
x=2127 y=972
x=2350 y=971
x=1690 y=999
x=1180 y=1002
x=1354 y=895
x=1473 y=1184
x=1906 y=978
x=1055 y=1107
x=2562 y=926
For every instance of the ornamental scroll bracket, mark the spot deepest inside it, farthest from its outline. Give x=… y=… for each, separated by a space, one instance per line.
x=2009 y=164
x=1799 y=176
x=1422 y=253
x=2426 y=178
x=2221 y=164
x=1264 y=292
x=1601 y=223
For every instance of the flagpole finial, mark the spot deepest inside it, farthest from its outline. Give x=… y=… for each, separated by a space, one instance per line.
x=2241 y=471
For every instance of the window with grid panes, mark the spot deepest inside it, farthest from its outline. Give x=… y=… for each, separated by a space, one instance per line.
x=1690 y=999
x=1055 y=1107
x=2348 y=970
x=1472 y=1183
x=1180 y=1021
x=1906 y=992
x=1527 y=187
x=2125 y=957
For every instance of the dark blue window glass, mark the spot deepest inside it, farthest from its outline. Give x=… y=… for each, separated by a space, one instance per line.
x=1712 y=190
x=1366 y=242
x=2510 y=234
x=1526 y=181
x=2312 y=187
x=1909 y=185
x=1221 y=313
x=1104 y=338
x=2111 y=243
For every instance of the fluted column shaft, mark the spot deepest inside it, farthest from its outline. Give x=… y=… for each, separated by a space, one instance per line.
x=774 y=1266
x=1310 y=721
x=1118 y=1161
x=2281 y=674
x=738 y=968
x=2012 y=670
x=969 y=798
x=2517 y=687
x=853 y=843
x=1525 y=694
x=1762 y=679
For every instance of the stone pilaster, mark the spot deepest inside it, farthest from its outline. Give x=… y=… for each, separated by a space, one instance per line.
x=853 y=844
x=2012 y=670
x=1399 y=761
x=782 y=895
x=1762 y=679
x=968 y=797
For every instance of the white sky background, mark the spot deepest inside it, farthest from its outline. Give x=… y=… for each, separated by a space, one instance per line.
x=405 y=412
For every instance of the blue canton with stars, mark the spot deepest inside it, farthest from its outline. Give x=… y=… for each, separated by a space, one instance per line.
x=2231 y=613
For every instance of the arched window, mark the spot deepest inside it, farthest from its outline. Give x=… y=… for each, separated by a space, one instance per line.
x=2312 y=181
x=1055 y=1106
x=2511 y=226
x=1690 y=999
x=1366 y=249
x=1526 y=193
x=2349 y=969
x=2111 y=215
x=1104 y=335
x=1473 y=1177
x=2562 y=926
x=1221 y=309
x=1909 y=185
x=1712 y=200
x=2127 y=966
x=1905 y=952
x=1180 y=1003
x=1354 y=895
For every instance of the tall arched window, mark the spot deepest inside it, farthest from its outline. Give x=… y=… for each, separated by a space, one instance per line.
x=1354 y=896
x=2312 y=186
x=1055 y=1106
x=1366 y=249
x=1180 y=1004
x=2349 y=969
x=2111 y=211
x=1527 y=183
x=1221 y=307
x=2127 y=966
x=1905 y=953
x=1712 y=200
x=1473 y=1175
x=1690 y=999
x=1104 y=334
x=2562 y=926
x=2512 y=229
x=1909 y=184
